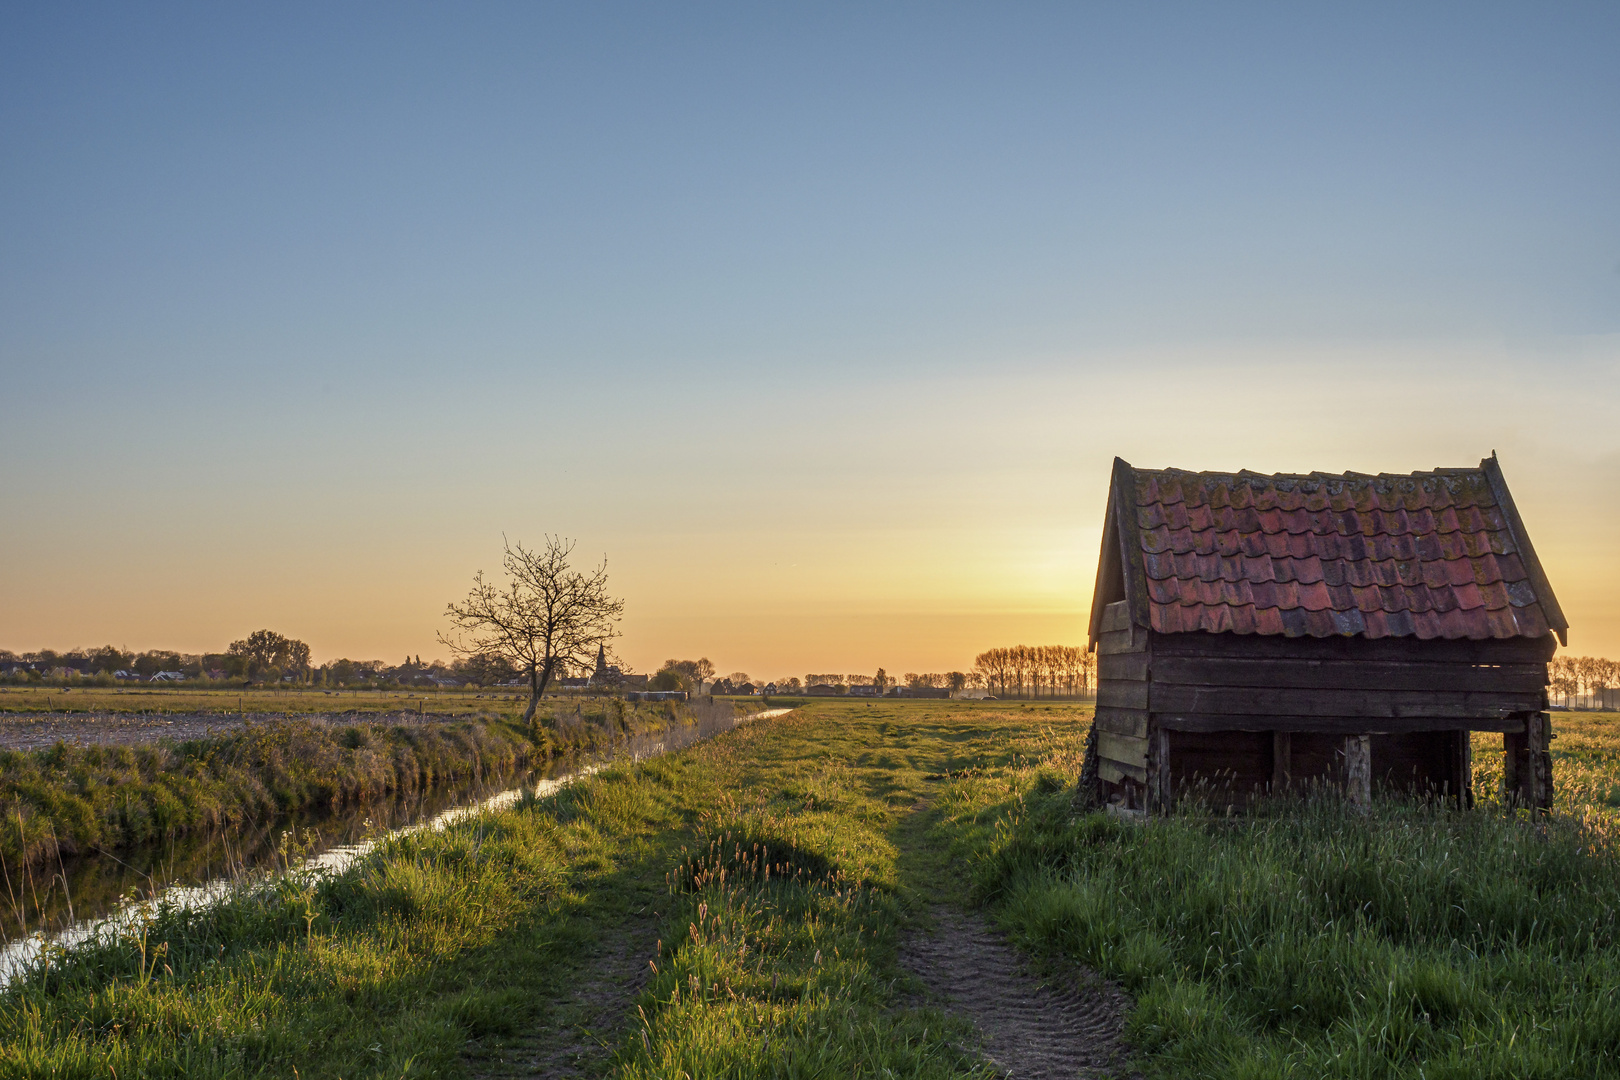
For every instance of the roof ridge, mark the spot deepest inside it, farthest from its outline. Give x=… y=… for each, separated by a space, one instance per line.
x=1317 y=474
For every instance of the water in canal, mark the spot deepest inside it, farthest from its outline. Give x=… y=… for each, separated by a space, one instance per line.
x=71 y=900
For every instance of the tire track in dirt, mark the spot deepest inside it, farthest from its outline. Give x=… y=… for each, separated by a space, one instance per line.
x=1031 y=1028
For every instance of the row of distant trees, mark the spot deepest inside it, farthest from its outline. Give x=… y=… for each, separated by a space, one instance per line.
x=263 y=653
x=1592 y=681
x=1013 y=671
x=1068 y=670
x=262 y=656
x=1036 y=670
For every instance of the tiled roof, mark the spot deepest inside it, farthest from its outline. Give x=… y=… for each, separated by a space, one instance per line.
x=1437 y=554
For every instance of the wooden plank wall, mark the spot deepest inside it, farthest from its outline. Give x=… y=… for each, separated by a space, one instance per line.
x=1123 y=750
x=1221 y=682
x=1273 y=710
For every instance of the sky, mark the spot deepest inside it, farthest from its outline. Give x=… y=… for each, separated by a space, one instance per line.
x=822 y=324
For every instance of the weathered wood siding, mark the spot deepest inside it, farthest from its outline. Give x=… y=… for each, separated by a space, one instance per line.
x=1239 y=714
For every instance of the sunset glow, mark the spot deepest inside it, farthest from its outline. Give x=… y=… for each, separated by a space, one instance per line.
x=823 y=328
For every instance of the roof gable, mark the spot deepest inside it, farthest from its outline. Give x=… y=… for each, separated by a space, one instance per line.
x=1439 y=554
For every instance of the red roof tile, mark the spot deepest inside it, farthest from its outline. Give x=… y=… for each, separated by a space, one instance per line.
x=1428 y=555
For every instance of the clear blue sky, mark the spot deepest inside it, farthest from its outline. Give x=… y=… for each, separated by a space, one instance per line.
x=823 y=324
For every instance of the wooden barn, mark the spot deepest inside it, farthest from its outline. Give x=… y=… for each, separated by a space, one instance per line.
x=1256 y=633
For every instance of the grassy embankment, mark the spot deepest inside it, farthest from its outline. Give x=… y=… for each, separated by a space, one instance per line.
x=1315 y=942
x=70 y=799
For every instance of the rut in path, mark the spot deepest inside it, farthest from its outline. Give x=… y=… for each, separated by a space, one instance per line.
x=1032 y=1030
x=580 y=1034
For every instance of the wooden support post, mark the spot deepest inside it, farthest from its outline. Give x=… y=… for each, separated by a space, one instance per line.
x=1282 y=763
x=1527 y=764
x=1513 y=743
x=1358 y=770
x=1462 y=771
x=1538 y=747
x=1161 y=799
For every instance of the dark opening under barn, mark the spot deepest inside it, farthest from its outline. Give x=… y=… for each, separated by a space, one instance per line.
x=1262 y=633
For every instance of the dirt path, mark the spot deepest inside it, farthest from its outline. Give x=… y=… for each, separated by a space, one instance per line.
x=579 y=1036
x=1031 y=1029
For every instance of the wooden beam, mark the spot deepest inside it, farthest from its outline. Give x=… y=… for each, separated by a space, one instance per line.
x=1129 y=667
x=1116 y=616
x=1462 y=769
x=1282 y=766
x=1303 y=673
x=1133 y=722
x=1161 y=796
x=1124 y=695
x=1125 y=749
x=1358 y=770
x=1538 y=746
x=1519 y=650
x=1121 y=641
x=1110 y=584
x=1333 y=725
x=1527 y=551
x=1130 y=543
x=1114 y=772
x=1291 y=701
x=1513 y=760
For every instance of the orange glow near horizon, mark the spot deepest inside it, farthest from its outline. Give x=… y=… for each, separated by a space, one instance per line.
x=912 y=542
x=824 y=324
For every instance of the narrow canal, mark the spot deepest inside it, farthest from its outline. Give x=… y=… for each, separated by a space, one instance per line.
x=77 y=898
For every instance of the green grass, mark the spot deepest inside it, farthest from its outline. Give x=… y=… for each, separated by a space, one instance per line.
x=1307 y=940
x=1302 y=941
x=68 y=799
x=444 y=943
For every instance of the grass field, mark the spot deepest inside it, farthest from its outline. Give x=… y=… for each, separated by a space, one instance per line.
x=1410 y=942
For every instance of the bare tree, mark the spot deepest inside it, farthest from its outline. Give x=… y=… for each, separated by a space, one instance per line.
x=547 y=619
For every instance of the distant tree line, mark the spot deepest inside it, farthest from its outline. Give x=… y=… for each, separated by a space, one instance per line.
x=1036 y=670
x=688 y=675
x=264 y=656
x=1592 y=681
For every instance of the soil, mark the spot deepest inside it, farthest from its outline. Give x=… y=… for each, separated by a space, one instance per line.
x=584 y=1029
x=1065 y=1025
x=37 y=731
